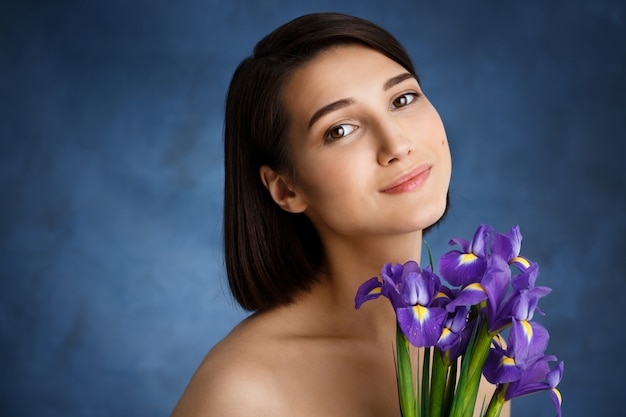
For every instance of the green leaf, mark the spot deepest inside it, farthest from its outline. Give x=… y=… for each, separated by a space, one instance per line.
x=471 y=370
x=437 y=385
x=404 y=374
x=430 y=255
x=425 y=398
x=450 y=389
x=496 y=403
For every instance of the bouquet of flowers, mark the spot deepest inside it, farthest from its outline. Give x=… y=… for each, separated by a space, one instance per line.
x=491 y=289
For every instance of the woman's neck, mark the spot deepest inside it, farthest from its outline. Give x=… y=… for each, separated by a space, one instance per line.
x=349 y=263
x=350 y=259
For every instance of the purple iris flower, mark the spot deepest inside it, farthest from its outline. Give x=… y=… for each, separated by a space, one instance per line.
x=522 y=368
x=528 y=341
x=508 y=246
x=554 y=378
x=526 y=344
x=461 y=268
x=457 y=331
x=452 y=329
x=500 y=365
x=538 y=377
x=497 y=283
x=413 y=293
x=529 y=295
x=369 y=290
x=521 y=303
x=492 y=286
x=483 y=289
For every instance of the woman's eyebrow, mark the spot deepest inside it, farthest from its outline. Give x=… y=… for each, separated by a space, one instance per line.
x=340 y=104
x=329 y=108
x=397 y=80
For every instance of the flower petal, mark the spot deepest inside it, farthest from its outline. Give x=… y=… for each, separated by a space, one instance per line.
x=532 y=380
x=465 y=245
x=527 y=342
x=480 y=239
x=452 y=330
x=448 y=339
x=369 y=290
x=526 y=279
x=392 y=284
x=421 y=325
x=468 y=265
x=470 y=295
x=459 y=268
x=496 y=285
x=507 y=245
x=557 y=400
x=500 y=368
x=554 y=376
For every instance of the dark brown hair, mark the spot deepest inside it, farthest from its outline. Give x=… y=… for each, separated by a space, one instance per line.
x=272 y=255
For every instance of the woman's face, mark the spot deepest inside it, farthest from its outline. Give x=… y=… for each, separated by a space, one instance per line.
x=370 y=152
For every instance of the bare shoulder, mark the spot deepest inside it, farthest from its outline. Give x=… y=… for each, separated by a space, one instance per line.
x=234 y=379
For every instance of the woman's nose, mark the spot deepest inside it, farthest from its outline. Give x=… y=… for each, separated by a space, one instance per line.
x=393 y=143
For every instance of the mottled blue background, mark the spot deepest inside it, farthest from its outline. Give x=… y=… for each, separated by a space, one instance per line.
x=111 y=182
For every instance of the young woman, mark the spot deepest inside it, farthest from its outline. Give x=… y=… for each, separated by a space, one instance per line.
x=336 y=163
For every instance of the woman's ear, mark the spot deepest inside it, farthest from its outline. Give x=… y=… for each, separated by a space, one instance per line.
x=282 y=191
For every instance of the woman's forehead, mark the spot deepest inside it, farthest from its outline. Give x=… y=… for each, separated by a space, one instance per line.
x=340 y=73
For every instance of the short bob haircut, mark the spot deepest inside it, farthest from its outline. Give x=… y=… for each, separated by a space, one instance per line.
x=271 y=255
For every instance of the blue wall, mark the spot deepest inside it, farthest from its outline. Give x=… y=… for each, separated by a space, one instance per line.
x=111 y=182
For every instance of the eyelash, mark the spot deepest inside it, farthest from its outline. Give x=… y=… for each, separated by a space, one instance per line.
x=340 y=128
x=413 y=96
x=329 y=133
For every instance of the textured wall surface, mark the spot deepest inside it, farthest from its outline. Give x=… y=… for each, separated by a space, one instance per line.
x=111 y=182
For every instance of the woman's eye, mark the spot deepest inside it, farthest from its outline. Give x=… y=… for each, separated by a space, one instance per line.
x=340 y=131
x=404 y=100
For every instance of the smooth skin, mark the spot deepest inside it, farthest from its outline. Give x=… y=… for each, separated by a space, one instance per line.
x=372 y=170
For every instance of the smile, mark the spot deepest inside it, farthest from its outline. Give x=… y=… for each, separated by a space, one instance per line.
x=409 y=181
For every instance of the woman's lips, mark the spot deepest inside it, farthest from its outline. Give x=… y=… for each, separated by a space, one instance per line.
x=409 y=181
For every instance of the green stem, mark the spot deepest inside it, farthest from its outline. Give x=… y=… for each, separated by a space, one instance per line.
x=496 y=403
x=437 y=384
x=450 y=389
x=425 y=397
x=404 y=375
x=471 y=369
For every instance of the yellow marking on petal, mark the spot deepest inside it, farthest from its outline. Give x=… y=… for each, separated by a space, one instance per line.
x=421 y=313
x=527 y=329
x=520 y=260
x=440 y=295
x=468 y=258
x=445 y=333
x=476 y=286
x=375 y=291
x=558 y=395
x=506 y=361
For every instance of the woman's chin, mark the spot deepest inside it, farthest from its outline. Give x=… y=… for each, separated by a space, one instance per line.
x=433 y=215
